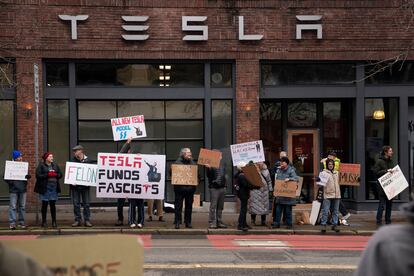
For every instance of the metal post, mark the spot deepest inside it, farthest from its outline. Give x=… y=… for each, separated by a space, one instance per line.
x=36 y=128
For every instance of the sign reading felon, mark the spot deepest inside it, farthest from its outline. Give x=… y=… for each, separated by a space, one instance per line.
x=184 y=174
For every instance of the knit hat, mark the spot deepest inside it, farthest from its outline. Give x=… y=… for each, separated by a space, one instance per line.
x=46 y=155
x=16 y=154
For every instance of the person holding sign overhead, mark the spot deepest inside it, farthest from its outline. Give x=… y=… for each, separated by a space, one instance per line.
x=47 y=186
x=17 y=190
x=286 y=173
x=383 y=165
x=79 y=192
x=184 y=192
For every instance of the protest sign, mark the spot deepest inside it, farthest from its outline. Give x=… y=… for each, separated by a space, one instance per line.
x=393 y=183
x=81 y=174
x=246 y=152
x=16 y=170
x=349 y=174
x=323 y=176
x=130 y=176
x=209 y=157
x=184 y=174
x=286 y=189
x=252 y=174
x=85 y=254
x=300 y=184
x=316 y=207
x=126 y=127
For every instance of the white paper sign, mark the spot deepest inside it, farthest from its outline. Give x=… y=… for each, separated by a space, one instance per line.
x=125 y=127
x=316 y=207
x=246 y=152
x=393 y=183
x=81 y=174
x=324 y=176
x=130 y=176
x=16 y=170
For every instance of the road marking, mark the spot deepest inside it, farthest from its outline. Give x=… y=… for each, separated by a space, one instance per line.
x=250 y=266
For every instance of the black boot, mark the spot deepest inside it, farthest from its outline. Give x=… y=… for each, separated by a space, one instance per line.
x=44 y=210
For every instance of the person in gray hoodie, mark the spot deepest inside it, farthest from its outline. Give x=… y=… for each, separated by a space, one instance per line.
x=390 y=251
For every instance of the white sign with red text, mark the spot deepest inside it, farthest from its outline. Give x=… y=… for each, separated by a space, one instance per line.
x=393 y=183
x=130 y=176
x=246 y=152
x=81 y=174
x=126 y=127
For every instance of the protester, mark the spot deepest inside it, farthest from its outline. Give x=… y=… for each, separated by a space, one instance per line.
x=331 y=196
x=390 y=251
x=80 y=192
x=286 y=173
x=17 y=190
x=184 y=192
x=160 y=206
x=47 y=186
x=383 y=165
x=243 y=188
x=259 y=198
x=217 y=187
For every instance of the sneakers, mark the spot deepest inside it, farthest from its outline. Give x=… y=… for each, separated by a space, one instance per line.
x=323 y=228
x=133 y=225
x=242 y=228
x=335 y=228
x=221 y=225
x=212 y=226
x=12 y=227
x=344 y=222
x=275 y=226
x=139 y=225
x=76 y=224
x=88 y=223
x=22 y=226
x=346 y=216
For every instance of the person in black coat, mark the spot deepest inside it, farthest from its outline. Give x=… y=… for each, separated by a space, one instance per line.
x=47 y=186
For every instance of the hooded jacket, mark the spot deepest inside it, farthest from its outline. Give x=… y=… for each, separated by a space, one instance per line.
x=390 y=251
x=332 y=189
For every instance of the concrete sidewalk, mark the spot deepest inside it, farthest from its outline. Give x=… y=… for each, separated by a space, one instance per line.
x=104 y=220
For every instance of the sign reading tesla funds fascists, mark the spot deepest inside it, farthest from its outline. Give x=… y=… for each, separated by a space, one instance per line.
x=246 y=152
x=81 y=174
x=130 y=176
x=393 y=183
x=125 y=127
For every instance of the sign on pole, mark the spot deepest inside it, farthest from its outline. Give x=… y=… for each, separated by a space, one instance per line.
x=126 y=127
x=246 y=152
x=130 y=176
x=81 y=174
x=184 y=174
x=16 y=170
x=349 y=174
x=393 y=183
x=209 y=157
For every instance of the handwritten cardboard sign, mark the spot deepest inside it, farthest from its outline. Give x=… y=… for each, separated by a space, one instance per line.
x=253 y=175
x=349 y=174
x=15 y=170
x=300 y=184
x=81 y=174
x=184 y=174
x=85 y=254
x=393 y=183
x=286 y=189
x=246 y=152
x=125 y=127
x=209 y=157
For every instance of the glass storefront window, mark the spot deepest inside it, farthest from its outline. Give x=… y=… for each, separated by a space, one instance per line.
x=57 y=74
x=398 y=73
x=221 y=75
x=7 y=75
x=302 y=114
x=381 y=128
x=184 y=110
x=271 y=129
x=96 y=110
x=307 y=74
x=184 y=129
x=6 y=140
x=150 y=109
x=58 y=134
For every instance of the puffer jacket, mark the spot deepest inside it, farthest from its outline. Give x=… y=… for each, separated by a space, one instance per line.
x=332 y=189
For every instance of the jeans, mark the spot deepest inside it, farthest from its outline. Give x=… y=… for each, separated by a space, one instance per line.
x=287 y=214
x=120 y=208
x=327 y=202
x=342 y=208
x=243 y=212
x=216 y=206
x=17 y=199
x=77 y=196
x=136 y=211
x=383 y=201
x=186 y=194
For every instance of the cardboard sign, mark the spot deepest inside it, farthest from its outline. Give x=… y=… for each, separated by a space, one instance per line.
x=300 y=184
x=393 y=183
x=85 y=254
x=286 y=189
x=324 y=176
x=15 y=170
x=252 y=174
x=184 y=174
x=349 y=174
x=316 y=207
x=125 y=127
x=197 y=201
x=209 y=157
x=81 y=174
x=130 y=176
x=246 y=152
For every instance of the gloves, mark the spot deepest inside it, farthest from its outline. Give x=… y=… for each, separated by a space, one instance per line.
x=52 y=174
x=28 y=176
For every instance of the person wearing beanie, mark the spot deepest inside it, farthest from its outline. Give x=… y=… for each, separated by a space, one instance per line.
x=47 y=186
x=79 y=192
x=17 y=190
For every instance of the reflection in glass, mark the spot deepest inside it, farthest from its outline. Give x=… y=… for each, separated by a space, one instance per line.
x=398 y=73
x=95 y=110
x=271 y=129
x=94 y=130
x=184 y=129
x=184 y=109
x=302 y=114
x=221 y=74
x=57 y=74
x=6 y=140
x=7 y=79
x=150 y=109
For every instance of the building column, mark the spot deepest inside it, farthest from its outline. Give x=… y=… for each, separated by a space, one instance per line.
x=25 y=119
x=247 y=100
x=403 y=143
